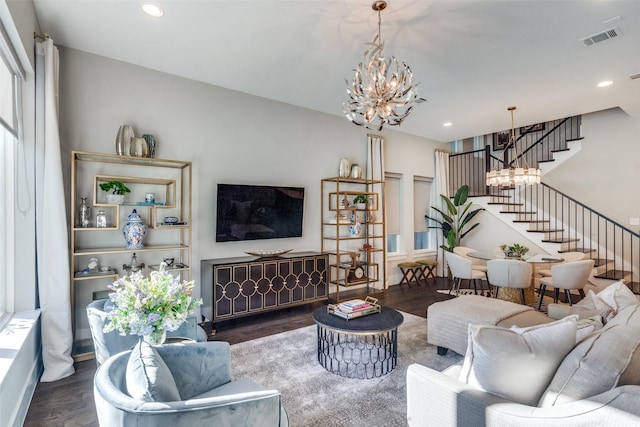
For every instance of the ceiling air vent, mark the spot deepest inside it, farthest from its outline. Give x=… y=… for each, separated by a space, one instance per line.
x=600 y=37
x=635 y=76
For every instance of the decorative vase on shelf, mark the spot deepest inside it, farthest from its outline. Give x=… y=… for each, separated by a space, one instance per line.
x=354 y=228
x=139 y=147
x=345 y=168
x=123 y=140
x=370 y=216
x=101 y=219
x=134 y=231
x=157 y=337
x=356 y=171
x=83 y=213
x=151 y=144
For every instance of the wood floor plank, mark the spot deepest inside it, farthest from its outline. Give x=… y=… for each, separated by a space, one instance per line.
x=69 y=402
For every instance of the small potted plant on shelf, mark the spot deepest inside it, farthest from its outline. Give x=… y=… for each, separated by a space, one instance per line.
x=360 y=201
x=118 y=190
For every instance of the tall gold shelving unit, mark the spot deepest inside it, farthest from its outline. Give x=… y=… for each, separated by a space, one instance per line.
x=170 y=180
x=357 y=264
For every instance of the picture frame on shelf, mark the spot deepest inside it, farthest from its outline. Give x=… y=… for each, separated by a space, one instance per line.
x=500 y=140
x=533 y=128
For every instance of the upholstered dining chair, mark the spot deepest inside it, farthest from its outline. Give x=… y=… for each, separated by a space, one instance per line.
x=567 y=257
x=186 y=384
x=509 y=273
x=566 y=276
x=107 y=344
x=477 y=264
x=462 y=269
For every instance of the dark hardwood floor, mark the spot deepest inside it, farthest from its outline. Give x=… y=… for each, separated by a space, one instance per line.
x=69 y=402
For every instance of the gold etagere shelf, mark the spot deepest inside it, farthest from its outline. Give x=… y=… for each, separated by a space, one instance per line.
x=170 y=181
x=357 y=258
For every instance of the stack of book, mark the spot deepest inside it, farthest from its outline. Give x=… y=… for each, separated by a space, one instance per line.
x=354 y=308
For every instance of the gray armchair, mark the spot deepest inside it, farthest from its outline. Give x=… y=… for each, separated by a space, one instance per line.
x=107 y=344
x=202 y=373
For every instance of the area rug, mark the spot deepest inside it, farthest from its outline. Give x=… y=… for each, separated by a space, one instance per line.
x=313 y=396
x=483 y=292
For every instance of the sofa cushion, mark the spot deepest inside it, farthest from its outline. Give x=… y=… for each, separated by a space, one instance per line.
x=148 y=376
x=517 y=363
x=590 y=306
x=618 y=296
x=607 y=358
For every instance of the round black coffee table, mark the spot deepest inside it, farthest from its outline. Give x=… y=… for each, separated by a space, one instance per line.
x=365 y=347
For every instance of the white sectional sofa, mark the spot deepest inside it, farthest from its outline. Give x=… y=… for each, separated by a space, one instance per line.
x=544 y=375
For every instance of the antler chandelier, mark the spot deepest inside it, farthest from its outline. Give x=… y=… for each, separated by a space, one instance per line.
x=382 y=90
x=519 y=174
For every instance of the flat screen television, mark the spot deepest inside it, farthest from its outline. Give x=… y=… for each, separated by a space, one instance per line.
x=252 y=212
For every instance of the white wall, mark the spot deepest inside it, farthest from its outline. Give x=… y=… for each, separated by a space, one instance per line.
x=605 y=173
x=229 y=136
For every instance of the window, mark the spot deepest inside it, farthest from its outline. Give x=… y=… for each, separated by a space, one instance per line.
x=6 y=140
x=421 y=197
x=393 y=203
x=9 y=130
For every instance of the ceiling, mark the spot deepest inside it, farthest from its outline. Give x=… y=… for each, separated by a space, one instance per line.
x=473 y=58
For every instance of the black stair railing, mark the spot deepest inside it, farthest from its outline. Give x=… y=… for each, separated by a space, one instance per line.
x=575 y=227
x=533 y=148
x=563 y=220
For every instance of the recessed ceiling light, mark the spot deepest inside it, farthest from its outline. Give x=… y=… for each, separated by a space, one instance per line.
x=447 y=124
x=152 y=10
x=605 y=83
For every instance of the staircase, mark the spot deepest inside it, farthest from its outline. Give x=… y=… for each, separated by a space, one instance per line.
x=553 y=220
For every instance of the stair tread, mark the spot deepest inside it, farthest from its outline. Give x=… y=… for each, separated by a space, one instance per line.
x=505 y=204
x=575 y=139
x=531 y=220
x=633 y=286
x=599 y=262
x=543 y=230
x=560 y=150
x=613 y=274
x=519 y=212
x=583 y=250
x=565 y=240
x=546 y=160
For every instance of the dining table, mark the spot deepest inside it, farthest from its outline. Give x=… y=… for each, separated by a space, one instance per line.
x=512 y=294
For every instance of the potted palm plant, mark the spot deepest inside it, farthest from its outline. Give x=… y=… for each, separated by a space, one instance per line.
x=118 y=190
x=455 y=221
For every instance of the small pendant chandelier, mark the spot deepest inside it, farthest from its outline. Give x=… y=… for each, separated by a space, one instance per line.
x=519 y=174
x=382 y=91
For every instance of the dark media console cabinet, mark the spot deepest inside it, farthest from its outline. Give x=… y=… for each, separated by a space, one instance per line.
x=244 y=286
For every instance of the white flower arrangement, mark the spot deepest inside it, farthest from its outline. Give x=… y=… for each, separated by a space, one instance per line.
x=150 y=306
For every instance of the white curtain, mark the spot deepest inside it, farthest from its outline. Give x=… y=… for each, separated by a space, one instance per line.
x=51 y=223
x=440 y=186
x=375 y=171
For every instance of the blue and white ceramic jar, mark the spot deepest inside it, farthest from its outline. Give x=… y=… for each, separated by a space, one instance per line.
x=134 y=231
x=355 y=227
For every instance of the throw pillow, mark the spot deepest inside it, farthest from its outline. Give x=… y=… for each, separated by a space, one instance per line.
x=148 y=376
x=618 y=296
x=606 y=359
x=587 y=326
x=591 y=306
x=517 y=363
